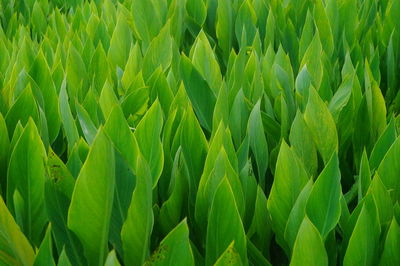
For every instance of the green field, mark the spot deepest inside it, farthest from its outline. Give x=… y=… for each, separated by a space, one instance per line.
x=200 y=132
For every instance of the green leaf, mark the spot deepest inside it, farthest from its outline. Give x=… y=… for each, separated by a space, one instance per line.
x=389 y=168
x=4 y=153
x=312 y=60
x=364 y=241
x=107 y=99
x=246 y=21
x=205 y=61
x=224 y=225
x=40 y=72
x=24 y=107
x=322 y=126
x=112 y=259
x=383 y=144
x=309 y=247
x=174 y=249
x=197 y=11
x=173 y=208
x=364 y=176
x=138 y=225
x=290 y=178
x=229 y=257
x=303 y=144
x=126 y=150
x=202 y=97
x=225 y=26
x=390 y=254
x=45 y=254
x=258 y=142
x=120 y=42
x=58 y=192
x=297 y=215
x=148 y=134
x=382 y=199
x=160 y=52
x=91 y=204
x=67 y=119
x=26 y=176
x=323 y=205
x=87 y=125
x=13 y=244
x=148 y=23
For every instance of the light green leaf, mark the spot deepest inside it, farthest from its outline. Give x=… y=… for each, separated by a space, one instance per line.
x=364 y=241
x=303 y=144
x=390 y=254
x=224 y=225
x=202 y=97
x=225 y=26
x=138 y=225
x=389 y=169
x=91 y=204
x=67 y=119
x=120 y=42
x=148 y=134
x=290 y=178
x=229 y=257
x=44 y=255
x=323 y=205
x=297 y=215
x=26 y=176
x=174 y=249
x=13 y=244
x=322 y=126
x=258 y=142
x=309 y=247
x=382 y=199
x=112 y=259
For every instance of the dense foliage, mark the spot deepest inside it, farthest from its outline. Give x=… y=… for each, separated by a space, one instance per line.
x=199 y=132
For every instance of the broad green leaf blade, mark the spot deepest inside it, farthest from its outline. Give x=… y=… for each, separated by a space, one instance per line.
x=23 y=108
x=112 y=259
x=303 y=144
x=176 y=205
x=40 y=72
x=4 y=153
x=258 y=142
x=58 y=192
x=364 y=177
x=148 y=134
x=309 y=247
x=224 y=225
x=126 y=150
x=364 y=241
x=297 y=215
x=389 y=169
x=44 y=255
x=290 y=178
x=390 y=254
x=225 y=26
x=201 y=96
x=323 y=205
x=322 y=126
x=174 y=249
x=67 y=119
x=15 y=248
x=87 y=125
x=91 y=204
x=383 y=144
x=26 y=175
x=229 y=257
x=382 y=199
x=138 y=226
